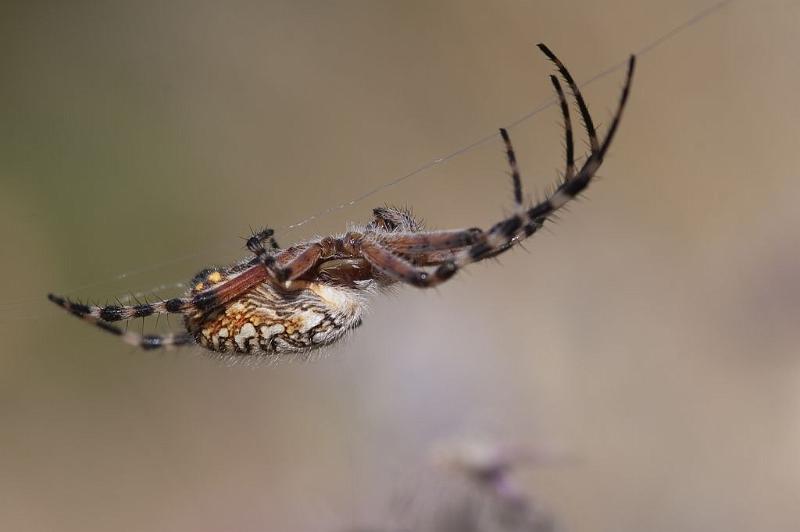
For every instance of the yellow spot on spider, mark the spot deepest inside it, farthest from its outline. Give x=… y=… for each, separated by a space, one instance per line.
x=214 y=277
x=199 y=286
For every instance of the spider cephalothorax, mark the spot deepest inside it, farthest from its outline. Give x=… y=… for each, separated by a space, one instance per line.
x=310 y=294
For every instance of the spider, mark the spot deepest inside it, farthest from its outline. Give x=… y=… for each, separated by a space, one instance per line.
x=296 y=299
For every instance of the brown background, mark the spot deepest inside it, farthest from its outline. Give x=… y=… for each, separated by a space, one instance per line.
x=651 y=336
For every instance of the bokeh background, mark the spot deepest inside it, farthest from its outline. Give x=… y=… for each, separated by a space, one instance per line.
x=647 y=344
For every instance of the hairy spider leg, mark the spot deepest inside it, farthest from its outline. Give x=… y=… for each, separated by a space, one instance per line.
x=569 y=169
x=91 y=314
x=516 y=180
x=436 y=247
x=111 y=313
x=569 y=145
x=517 y=228
x=506 y=233
x=576 y=93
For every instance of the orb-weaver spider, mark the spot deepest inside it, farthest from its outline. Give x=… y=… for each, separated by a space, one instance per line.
x=295 y=299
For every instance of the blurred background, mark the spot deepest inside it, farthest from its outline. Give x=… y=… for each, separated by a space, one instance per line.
x=650 y=336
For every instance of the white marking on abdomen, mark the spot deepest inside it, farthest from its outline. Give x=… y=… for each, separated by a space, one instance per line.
x=247 y=331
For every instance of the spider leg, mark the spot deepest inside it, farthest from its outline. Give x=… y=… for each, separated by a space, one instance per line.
x=440 y=247
x=146 y=341
x=400 y=269
x=569 y=171
x=432 y=258
x=512 y=162
x=302 y=260
x=111 y=313
x=524 y=223
x=435 y=247
x=92 y=315
x=299 y=263
x=378 y=254
x=255 y=244
x=506 y=233
x=415 y=243
x=584 y=110
x=354 y=245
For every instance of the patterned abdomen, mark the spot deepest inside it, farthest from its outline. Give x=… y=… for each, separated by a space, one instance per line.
x=267 y=320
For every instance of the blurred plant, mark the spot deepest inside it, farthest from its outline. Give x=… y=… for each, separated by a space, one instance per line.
x=485 y=499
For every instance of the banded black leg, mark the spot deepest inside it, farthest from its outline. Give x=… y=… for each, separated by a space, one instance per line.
x=506 y=233
x=514 y=229
x=145 y=341
x=531 y=226
x=576 y=93
x=112 y=313
x=148 y=342
x=569 y=170
x=101 y=316
x=510 y=226
x=500 y=237
x=516 y=180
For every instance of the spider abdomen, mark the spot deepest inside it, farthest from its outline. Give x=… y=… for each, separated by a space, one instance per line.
x=268 y=320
